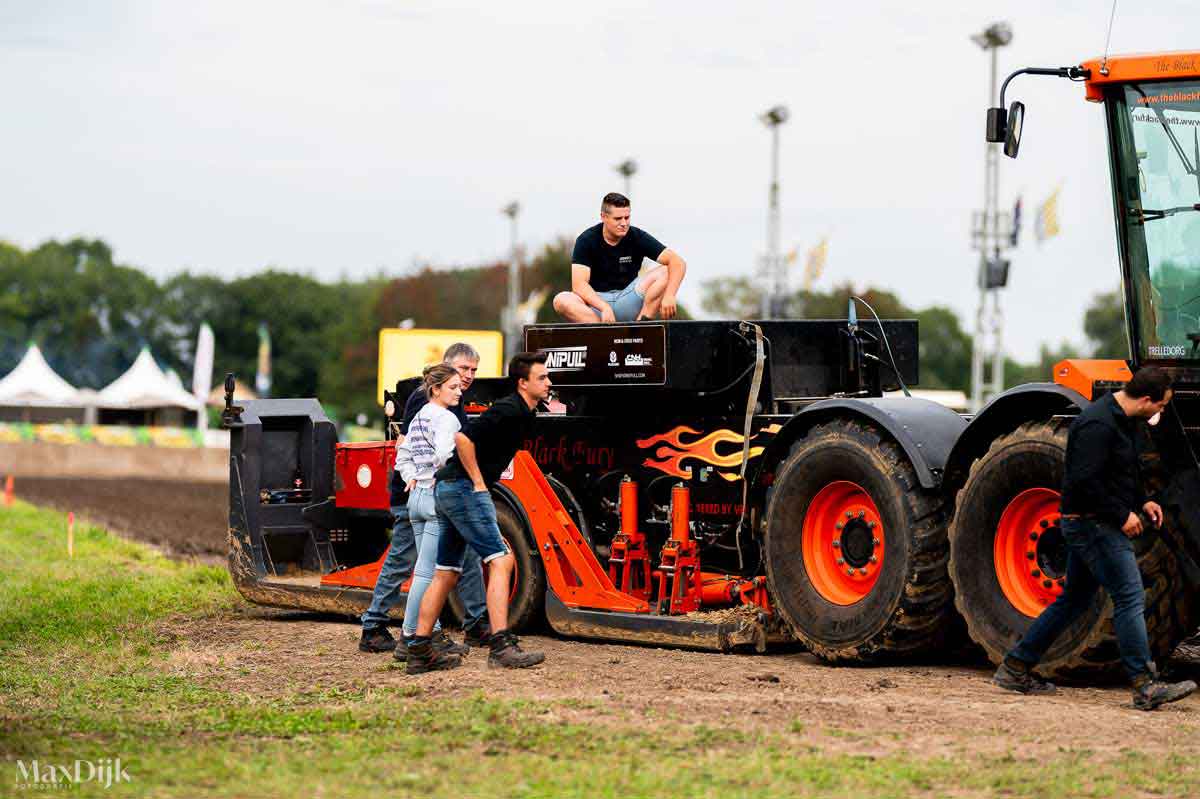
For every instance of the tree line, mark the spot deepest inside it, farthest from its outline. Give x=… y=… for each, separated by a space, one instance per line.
x=92 y=315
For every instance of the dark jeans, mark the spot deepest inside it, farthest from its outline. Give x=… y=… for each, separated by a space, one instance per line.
x=468 y=520
x=401 y=557
x=1098 y=555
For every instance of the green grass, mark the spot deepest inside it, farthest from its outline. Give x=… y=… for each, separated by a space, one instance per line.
x=83 y=677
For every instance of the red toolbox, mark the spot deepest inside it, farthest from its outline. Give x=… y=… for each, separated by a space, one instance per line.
x=364 y=474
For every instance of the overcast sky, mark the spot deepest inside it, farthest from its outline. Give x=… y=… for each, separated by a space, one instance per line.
x=349 y=138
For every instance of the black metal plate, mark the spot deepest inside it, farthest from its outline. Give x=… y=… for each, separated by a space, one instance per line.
x=602 y=355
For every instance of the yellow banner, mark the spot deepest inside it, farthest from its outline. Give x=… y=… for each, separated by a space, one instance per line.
x=404 y=353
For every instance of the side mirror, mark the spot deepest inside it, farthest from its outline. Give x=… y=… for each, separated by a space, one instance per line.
x=1012 y=137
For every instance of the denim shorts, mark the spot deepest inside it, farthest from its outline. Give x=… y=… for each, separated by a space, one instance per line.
x=626 y=303
x=468 y=519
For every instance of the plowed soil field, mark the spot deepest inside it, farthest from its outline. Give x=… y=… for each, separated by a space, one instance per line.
x=183 y=519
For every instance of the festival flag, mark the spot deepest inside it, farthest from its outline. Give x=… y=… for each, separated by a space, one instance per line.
x=262 y=380
x=202 y=371
x=814 y=263
x=1047 y=220
x=1016 y=223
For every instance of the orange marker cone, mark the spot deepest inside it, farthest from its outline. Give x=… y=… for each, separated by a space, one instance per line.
x=71 y=534
x=8 y=492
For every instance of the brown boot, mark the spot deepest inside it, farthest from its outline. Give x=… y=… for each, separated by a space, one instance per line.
x=423 y=656
x=507 y=654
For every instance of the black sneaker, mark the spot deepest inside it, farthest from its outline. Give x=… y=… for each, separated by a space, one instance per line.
x=423 y=657
x=478 y=636
x=376 y=639
x=444 y=643
x=1015 y=676
x=401 y=652
x=507 y=654
x=1154 y=693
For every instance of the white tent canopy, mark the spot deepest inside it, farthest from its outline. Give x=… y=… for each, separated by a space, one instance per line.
x=145 y=386
x=34 y=384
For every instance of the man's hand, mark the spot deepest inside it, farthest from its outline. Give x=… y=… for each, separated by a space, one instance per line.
x=1133 y=526
x=1155 y=512
x=410 y=485
x=606 y=313
x=479 y=487
x=667 y=309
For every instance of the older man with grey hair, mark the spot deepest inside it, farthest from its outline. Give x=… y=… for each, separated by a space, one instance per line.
x=402 y=553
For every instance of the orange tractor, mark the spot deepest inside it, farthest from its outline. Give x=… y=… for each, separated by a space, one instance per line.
x=757 y=467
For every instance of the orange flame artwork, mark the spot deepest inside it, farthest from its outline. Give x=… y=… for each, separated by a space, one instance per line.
x=670 y=458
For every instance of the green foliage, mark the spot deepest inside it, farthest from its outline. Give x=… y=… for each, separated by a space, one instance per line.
x=91 y=316
x=1104 y=325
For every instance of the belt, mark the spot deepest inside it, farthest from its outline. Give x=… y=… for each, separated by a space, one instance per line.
x=1079 y=515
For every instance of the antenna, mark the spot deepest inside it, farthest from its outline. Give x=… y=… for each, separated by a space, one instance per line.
x=1108 y=39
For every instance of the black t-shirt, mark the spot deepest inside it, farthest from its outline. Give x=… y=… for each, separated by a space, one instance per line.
x=614 y=268
x=497 y=434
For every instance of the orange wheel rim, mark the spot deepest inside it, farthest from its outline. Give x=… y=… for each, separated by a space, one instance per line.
x=842 y=540
x=516 y=573
x=1029 y=552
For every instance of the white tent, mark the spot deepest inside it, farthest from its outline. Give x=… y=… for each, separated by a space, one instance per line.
x=144 y=387
x=34 y=384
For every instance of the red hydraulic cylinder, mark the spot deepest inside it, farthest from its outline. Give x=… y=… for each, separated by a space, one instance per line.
x=679 y=566
x=629 y=560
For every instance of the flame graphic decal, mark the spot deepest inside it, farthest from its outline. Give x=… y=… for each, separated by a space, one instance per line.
x=669 y=459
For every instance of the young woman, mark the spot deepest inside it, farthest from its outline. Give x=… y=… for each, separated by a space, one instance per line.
x=429 y=443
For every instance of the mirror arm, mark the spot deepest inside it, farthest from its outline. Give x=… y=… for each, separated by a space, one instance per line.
x=997 y=126
x=1074 y=73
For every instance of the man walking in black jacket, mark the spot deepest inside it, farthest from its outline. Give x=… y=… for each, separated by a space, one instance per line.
x=1101 y=501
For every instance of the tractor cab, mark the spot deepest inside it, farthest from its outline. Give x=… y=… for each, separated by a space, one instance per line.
x=1152 y=108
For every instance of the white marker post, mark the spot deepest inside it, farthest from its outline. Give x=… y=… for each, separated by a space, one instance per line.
x=71 y=534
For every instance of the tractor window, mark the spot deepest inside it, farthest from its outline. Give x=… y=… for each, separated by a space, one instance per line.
x=1157 y=143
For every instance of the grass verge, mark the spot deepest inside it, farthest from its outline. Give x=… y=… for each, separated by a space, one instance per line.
x=84 y=678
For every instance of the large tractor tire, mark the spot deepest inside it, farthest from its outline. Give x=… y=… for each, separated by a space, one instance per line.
x=1008 y=560
x=527 y=590
x=855 y=549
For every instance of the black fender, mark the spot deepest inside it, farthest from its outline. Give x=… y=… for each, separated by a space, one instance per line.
x=502 y=493
x=1005 y=413
x=924 y=430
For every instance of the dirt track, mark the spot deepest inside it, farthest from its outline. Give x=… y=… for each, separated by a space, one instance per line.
x=930 y=709
x=183 y=519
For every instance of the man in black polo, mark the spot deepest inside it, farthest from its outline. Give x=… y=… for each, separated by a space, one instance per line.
x=1101 y=501
x=464 y=506
x=605 y=265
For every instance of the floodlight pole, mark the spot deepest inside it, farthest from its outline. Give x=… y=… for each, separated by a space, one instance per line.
x=512 y=331
x=627 y=169
x=991 y=240
x=774 y=276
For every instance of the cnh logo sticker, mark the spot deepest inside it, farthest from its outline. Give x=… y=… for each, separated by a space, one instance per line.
x=105 y=772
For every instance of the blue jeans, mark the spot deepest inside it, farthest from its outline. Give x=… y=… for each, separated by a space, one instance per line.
x=626 y=303
x=428 y=528
x=1098 y=555
x=469 y=525
x=402 y=553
